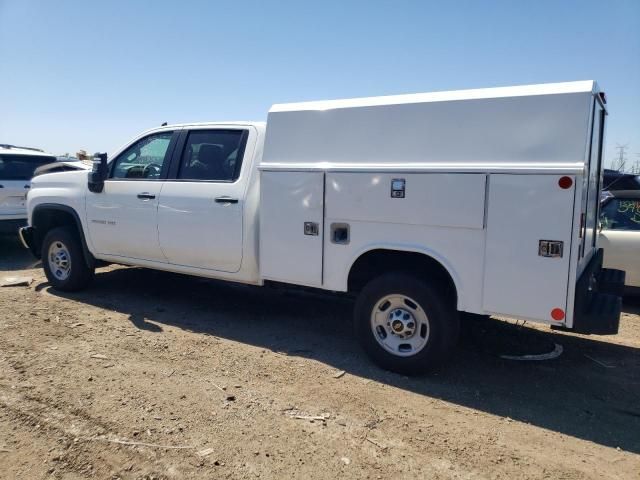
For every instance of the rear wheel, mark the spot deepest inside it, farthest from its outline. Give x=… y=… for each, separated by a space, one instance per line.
x=63 y=260
x=405 y=324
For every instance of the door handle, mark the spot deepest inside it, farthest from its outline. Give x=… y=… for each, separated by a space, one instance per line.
x=146 y=196
x=27 y=186
x=226 y=200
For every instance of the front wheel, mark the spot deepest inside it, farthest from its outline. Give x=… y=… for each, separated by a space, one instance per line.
x=405 y=324
x=63 y=260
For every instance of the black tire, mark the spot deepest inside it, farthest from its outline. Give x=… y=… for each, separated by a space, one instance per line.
x=79 y=274
x=442 y=318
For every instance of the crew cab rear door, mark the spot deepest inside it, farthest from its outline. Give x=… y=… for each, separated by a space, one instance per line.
x=200 y=212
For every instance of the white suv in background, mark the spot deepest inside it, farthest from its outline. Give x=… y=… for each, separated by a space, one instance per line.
x=17 y=165
x=620 y=234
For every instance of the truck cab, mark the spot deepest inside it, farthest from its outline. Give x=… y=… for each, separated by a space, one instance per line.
x=181 y=197
x=423 y=207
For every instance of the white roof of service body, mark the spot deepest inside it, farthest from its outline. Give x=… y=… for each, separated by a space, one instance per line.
x=533 y=127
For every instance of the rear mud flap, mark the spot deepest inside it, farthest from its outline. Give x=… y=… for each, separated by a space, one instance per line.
x=598 y=302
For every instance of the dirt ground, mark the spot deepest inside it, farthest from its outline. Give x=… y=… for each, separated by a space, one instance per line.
x=150 y=375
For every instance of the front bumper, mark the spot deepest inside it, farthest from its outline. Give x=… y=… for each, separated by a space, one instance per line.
x=598 y=300
x=27 y=237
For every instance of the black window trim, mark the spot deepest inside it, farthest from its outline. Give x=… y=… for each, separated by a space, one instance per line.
x=168 y=156
x=176 y=160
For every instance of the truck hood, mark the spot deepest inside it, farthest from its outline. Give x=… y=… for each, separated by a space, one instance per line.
x=60 y=179
x=61 y=166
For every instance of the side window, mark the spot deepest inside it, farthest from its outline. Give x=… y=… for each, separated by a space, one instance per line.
x=144 y=159
x=621 y=214
x=214 y=155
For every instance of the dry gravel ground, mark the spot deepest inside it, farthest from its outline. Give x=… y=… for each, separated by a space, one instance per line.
x=244 y=382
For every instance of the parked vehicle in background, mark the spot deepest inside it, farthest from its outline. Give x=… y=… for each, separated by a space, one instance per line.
x=421 y=206
x=17 y=166
x=620 y=233
x=615 y=180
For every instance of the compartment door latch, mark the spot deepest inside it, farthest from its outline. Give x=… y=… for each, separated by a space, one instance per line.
x=550 y=248
x=311 y=228
x=397 y=187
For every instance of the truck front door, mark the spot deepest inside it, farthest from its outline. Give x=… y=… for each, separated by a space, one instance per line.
x=200 y=213
x=122 y=219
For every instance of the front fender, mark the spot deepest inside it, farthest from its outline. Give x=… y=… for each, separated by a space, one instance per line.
x=41 y=215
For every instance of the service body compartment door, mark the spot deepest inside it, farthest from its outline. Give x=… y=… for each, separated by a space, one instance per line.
x=519 y=279
x=291 y=226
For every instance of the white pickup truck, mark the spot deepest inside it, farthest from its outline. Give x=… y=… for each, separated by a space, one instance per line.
x=423 y=206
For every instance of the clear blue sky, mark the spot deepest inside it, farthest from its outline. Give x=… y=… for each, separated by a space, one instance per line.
x=92 y=74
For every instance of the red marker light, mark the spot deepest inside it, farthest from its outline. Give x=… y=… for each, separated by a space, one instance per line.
x=557 y=314
x=565 y=182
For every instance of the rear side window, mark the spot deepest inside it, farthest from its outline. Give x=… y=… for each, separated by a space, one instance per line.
x=21 y=167
x=621 y=214
x=213 y=155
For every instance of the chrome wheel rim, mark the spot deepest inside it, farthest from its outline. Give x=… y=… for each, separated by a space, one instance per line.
x=59 y=260
x=400 y=325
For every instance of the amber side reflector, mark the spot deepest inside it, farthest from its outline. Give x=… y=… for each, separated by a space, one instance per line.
x=565 y=182
x=557 y=314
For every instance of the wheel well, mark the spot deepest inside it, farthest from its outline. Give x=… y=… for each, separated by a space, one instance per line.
x=377 y=262
x=47 y=218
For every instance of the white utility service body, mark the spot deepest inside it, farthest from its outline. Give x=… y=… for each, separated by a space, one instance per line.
x=481 y=171
x=493 y=193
